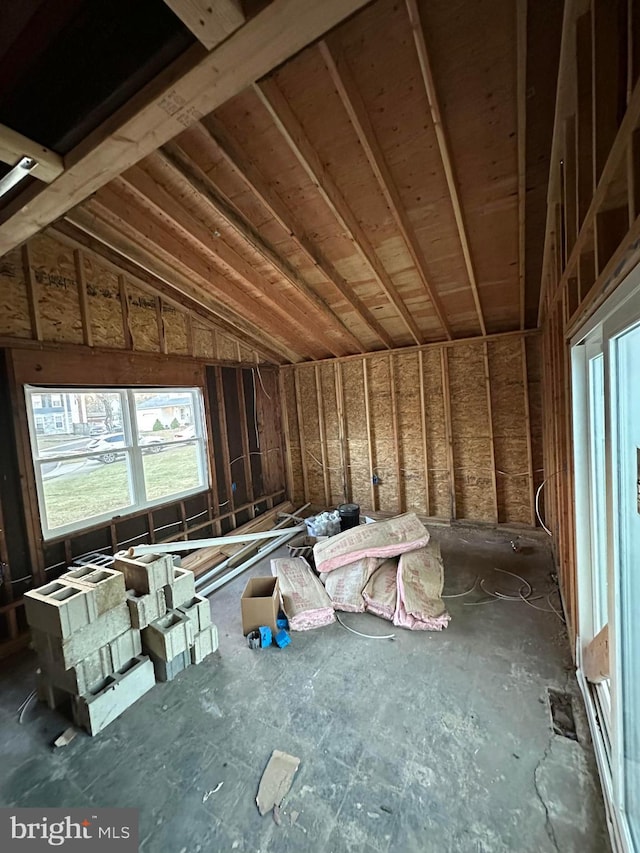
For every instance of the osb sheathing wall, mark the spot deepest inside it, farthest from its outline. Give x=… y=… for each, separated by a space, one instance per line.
x=53 y=292
x=449 y=431
x=592 y=238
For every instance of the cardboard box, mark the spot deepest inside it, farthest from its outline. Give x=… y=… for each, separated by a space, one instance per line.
x=260 y=603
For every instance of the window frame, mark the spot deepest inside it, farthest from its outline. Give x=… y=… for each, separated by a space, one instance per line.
x=133 y=452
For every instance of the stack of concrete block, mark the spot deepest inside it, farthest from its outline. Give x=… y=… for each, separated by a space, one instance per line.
x=175 y=622
x=104 y=636
x=82 y=632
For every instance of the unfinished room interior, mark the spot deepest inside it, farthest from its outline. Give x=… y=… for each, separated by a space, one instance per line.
x=320 y=461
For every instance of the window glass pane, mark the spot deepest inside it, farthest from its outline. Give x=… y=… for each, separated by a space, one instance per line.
x=176 y=468
x=598 y=492
x=77 y=490
x=76 y=422
x=627 y=467
x=99 y=452
x=165 y=416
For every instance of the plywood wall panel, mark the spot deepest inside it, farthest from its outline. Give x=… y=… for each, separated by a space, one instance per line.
x=533 y=350
x=103 y=303
x=55 y=290
x=203 y=342
x=508 y=408
x=384 y=447
x=143 y=319
x=14 y=303
x=176 y=333
x=227 y=349
x=359 y=476
x=439 y=480
x=470 y=429
x=413 y=485
x=295 y=454
x=311 y=430
x=332 y=433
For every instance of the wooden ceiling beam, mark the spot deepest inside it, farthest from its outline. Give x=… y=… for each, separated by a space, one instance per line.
x=257 y=185
x=332 y=328
x=191 y=87
x=445 y=154
x=278 y=108
x=156 y=249
x=211 y=21
x=230 y=265
x=354 y=105
x=14 y=145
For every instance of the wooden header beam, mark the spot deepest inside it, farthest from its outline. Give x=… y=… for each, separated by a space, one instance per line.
x=182 y=95
x=445 y=155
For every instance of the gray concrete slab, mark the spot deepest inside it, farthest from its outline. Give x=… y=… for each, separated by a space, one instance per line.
x=430 y=742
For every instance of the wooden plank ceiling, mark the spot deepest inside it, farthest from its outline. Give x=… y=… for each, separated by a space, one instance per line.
x=370 y=193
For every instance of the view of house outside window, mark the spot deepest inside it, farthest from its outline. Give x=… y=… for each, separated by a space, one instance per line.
x=103 y=452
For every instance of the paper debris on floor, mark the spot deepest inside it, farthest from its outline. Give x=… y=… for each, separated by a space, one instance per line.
x=383 y=539
x=344 y=585
x=276 y=781
x=304 y=599
x=419 y=605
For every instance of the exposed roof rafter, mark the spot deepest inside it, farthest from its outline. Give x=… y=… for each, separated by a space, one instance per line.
x=190 y=88
x=355 y=107
x=237 y=278
x=443 y=146
x=253 y=180
x=276 y=105
x=335 y=332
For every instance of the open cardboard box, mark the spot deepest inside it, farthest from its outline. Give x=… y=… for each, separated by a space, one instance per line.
x=260 y=604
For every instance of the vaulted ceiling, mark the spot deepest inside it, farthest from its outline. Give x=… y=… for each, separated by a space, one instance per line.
x=385 y=187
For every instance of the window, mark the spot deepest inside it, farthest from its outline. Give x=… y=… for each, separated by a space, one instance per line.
x=114 y=452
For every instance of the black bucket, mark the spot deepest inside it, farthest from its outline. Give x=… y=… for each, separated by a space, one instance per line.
x=349 y=516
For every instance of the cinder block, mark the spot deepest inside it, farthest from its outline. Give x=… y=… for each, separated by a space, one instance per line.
x=101 y=706
x=107 y=585
x=68 y=652
x=181 y=589
x=145 y=609
x=169 y=635
x=60 y=609
x=85 y=675
x=148 y=573
x=166 y=670
x=204 y=643
x=198 y=610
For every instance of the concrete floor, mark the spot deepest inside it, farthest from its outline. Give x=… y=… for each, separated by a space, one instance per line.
x=430 y=742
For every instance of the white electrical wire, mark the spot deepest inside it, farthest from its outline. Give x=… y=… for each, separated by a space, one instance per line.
x=262 y=383
x=366 y=636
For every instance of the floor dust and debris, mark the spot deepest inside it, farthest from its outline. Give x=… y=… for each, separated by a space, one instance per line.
x=431 y=742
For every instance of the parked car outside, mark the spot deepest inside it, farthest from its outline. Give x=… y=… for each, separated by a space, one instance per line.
x=109 y=446
x=188 y=433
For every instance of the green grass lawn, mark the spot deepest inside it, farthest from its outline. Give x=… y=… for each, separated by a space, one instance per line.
x=105 y=488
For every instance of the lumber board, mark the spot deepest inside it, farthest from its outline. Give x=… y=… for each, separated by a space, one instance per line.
x=210 y=22
x=192 y=87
